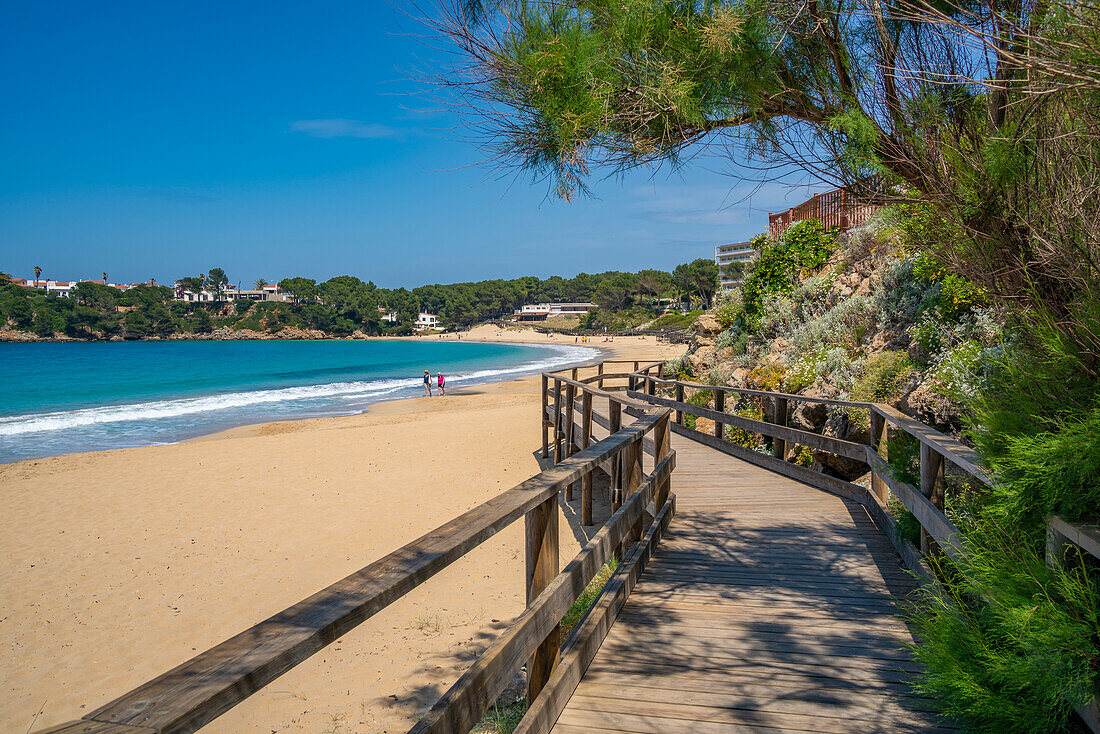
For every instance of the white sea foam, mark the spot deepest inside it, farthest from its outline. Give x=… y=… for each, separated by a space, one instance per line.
x=330 y=395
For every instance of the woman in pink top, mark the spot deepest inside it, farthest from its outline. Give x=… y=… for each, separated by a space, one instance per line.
x=440 y=381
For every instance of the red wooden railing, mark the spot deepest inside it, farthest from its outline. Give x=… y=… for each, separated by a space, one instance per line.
x=836 y=208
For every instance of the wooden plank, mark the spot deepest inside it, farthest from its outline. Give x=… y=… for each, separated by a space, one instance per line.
x=957 y=453
x=586 y=439
x=586 y=638
x=87 y=726
x=767 y=394
x=541 y=544
x=837 y=446
x=570 y=445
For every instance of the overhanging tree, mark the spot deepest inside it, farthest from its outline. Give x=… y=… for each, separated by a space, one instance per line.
x=988 y=108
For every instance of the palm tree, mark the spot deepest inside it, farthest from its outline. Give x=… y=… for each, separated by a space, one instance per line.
x=260 y=283
x=37 y=274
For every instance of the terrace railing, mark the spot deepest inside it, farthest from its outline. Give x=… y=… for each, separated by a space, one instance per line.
x=837 y=208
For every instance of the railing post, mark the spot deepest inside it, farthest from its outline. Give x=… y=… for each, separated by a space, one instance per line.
x=931 y=486
x=679 y=399
x=541 y=536
x=542 y=417
x=557 y=421
x=615 y=421
x=574 y=374
x=720 y=406
x=661 y=371
x=570 y=447
x=651 y=386
x=779 y=446
x=586 y=439
x=877 y=440
x=662 y=447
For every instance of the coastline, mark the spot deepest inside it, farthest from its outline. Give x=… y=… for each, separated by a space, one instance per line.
x=120 y=564
x=165 y=417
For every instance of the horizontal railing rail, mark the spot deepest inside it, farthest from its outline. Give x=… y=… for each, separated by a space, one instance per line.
x=201 y=689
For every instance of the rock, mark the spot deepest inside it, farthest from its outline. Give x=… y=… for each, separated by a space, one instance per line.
x=706 y=425
x=809 y=416
x=929 y=406
x=777 y=360
x=739 y=377
x=707 y=324
x=701 y=360
x=838 y=425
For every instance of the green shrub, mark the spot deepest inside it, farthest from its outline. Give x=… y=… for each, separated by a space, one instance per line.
x=908 y=527
x=1009 y=644
x=804 y=247
x=881 y=377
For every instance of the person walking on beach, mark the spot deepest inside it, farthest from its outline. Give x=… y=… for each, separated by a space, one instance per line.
x=427 y=383
x=442 y=389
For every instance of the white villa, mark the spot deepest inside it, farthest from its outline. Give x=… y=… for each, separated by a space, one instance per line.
x=543 y=311
x=427 y=321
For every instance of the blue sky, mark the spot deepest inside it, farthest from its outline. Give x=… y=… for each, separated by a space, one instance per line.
x=160 y=140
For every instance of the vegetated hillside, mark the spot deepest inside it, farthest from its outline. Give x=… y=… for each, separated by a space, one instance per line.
x=860 y=316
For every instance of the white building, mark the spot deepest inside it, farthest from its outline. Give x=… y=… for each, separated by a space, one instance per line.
x=390 y=317
x=58 y=288
x=427 y=321
x=740 y=252
x=543 y=311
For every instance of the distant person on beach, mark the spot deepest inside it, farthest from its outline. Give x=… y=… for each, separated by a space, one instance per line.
x=427 y=383
x=442 y=389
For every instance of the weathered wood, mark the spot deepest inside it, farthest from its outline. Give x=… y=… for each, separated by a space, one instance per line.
x=779 y=417
x=585 y=640
x=958 y=454
x=615 y=422
x=542 y=403
x=878 y=444
x=848 y=449
x=586 y=439
x=557 y=422
x=570 y=445
x=679 y=401
x=662 y=452
x=794 y=471
x=931 y=486
x=541 y=542
x=86 y=726
x=931 y=518
x=769 y=394
x=719 y=407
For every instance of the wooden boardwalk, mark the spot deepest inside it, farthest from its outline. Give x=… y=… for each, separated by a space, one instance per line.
x=770 y=606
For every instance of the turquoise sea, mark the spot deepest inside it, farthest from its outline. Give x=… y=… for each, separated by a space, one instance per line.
x=59 y=398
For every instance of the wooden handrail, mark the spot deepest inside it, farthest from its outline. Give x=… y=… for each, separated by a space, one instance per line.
x=201 y=689
x=926 y=503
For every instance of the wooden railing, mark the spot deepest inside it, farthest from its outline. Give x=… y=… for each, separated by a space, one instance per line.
x=937 y=451
x=836 y=208
x=201 y=689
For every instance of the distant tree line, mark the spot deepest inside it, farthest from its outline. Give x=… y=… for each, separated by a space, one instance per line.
x=344 y=304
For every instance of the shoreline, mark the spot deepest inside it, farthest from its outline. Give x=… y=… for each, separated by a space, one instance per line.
x=489 y=334
x=116 y=566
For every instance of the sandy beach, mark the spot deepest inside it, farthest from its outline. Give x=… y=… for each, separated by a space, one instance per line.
x=119 y=565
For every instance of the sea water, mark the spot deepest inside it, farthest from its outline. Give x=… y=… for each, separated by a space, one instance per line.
x=65 y=397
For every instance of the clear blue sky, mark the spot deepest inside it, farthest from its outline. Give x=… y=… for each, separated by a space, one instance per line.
x=156 y=139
